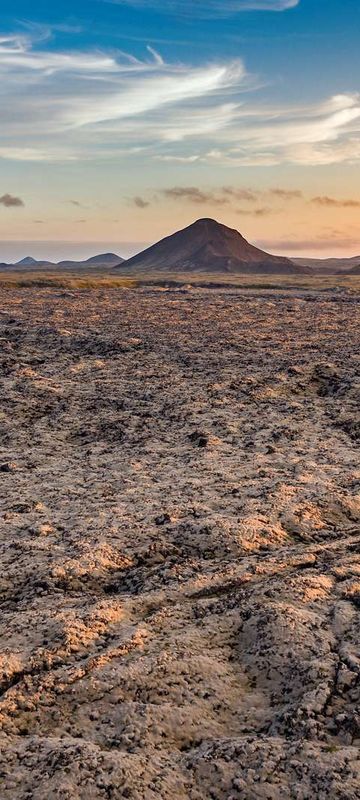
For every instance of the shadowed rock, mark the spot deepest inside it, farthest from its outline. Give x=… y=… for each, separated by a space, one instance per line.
x=208 y=246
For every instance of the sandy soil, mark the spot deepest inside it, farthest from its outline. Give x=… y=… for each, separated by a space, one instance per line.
x=180 y=545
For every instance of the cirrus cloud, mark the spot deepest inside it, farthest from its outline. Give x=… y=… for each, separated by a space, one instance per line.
x=209 y=8
x=68 y=106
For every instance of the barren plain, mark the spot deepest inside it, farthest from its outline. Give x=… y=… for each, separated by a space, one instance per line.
x=180 y=544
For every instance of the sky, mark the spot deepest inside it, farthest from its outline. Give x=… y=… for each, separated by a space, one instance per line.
x=124 y=120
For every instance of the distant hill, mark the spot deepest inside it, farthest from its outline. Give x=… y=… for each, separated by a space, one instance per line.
x=108 y=259
x=208 y=246
x=102 y=261
x=352 y=271
x=28 y=261
x=31 y=264
x=329 y=266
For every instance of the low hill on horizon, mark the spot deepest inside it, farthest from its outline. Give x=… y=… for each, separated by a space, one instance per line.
x=353 y=271
x=29 y=264
x=28 y=261
x=102 y=260
x=204 y=246
x=209 y=246
x=328 y=266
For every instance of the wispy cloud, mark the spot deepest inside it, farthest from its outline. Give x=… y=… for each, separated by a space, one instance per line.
x=287 y=194
x=210 y=8
x=24 y=153
x=256 y=135
x=332 y=202
x=74 y=105
x=9 y=201
x=265 y=211
x=194 y=195
x=250 y=195
x=305 y=245
x=161 y=86
x=66 y=106
x=327 y=132
x=177 y=159
x=229 y=195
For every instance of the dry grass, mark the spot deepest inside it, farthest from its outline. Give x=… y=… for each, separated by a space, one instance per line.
x=64 y=280
x=77 y=280
x=208 y=280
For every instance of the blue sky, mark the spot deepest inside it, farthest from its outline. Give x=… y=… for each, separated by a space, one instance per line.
x=123 y=120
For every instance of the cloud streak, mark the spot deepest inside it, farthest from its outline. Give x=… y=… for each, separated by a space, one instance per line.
x=303 y=245
x=332 y=202
x=287 y=194
x=194 y=195
x=64 y=106
x=277 y=197
x=229 y=195
x=48 y=96
x=255 y=212
x=210 y=8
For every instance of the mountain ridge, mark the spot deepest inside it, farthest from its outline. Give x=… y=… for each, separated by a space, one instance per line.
x=106 y=260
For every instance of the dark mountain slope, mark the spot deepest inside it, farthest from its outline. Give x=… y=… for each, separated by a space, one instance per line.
x=208 y=246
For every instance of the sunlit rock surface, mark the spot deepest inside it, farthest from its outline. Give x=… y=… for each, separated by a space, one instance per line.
x=180 y=545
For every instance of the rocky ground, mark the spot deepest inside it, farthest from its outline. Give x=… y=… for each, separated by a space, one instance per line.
x=180 y=545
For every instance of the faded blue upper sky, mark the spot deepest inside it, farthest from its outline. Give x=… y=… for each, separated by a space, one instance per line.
x=123 y=120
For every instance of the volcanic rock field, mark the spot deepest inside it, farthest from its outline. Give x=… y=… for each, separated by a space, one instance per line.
x=180 y=544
